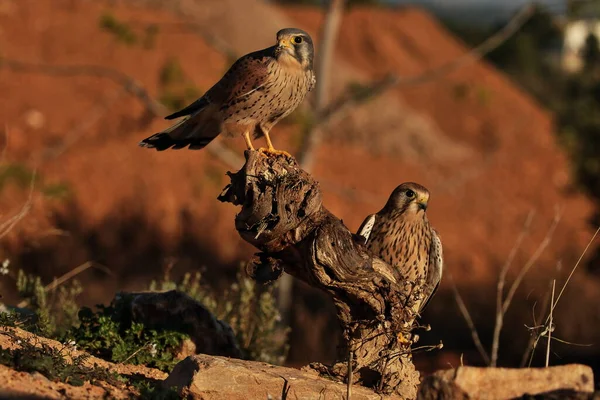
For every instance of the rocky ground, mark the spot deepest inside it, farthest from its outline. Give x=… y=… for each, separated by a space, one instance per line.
x=213 y=377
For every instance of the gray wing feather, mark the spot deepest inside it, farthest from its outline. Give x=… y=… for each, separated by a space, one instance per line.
x=436 y=268
x=366 y=227
x=192 y=108
x=247 y=75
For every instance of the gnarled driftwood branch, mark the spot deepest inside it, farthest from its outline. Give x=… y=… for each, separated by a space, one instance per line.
x=283 y=216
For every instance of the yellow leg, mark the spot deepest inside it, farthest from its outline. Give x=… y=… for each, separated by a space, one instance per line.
x=270 y=149
x=248 y=141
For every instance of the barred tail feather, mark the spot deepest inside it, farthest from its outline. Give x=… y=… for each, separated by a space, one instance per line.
x=186 y=132
x=163 y=141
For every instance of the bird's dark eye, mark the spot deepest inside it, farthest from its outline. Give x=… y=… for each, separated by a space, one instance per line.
x=298 y=39
x=410 y=194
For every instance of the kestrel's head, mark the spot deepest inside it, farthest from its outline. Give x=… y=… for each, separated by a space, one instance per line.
x=297 y=44
x=409 y=196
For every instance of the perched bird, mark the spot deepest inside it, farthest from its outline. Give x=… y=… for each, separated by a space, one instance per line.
x=401 y=236
x=257 y=91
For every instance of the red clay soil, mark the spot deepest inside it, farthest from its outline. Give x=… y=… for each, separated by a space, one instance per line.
x=132 y=207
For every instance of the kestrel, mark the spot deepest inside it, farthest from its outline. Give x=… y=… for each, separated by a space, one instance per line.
x=257 y=91
x=401 y=236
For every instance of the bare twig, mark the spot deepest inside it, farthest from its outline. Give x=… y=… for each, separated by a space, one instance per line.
x=146 y=345
x=534 y=337
x=312 y=138
x=129 y=84
x=7 y=225
x=467 y=316
x=517 y=282
x=551 y=327
x=89 y=120
x=343 y=104
x=532 y=260
x=500 y=287
x=573 y=270
x=69 y=275
x=329 y=32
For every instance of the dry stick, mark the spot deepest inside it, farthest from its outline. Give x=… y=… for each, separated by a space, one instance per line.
x=311 y=140
x=135 y=352
x=467 y=316
x=128 y=83
x=329 y=33
x=547 y=327
x=532 y=344
x=72 y=273
x=346 y=102
x=517 y=282
x=532 y=260
x=500 y=286
x=573 y=270
x=7 y=225
x=87 y=122
x=550 y=327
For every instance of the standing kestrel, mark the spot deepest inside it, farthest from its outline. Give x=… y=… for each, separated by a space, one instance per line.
x=401 y=236
x=257 y=91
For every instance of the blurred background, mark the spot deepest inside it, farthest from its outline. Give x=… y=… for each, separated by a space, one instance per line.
x=493 y=106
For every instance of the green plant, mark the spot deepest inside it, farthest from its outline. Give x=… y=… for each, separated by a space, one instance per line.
x=54 y=312
x=120 y=30
x=251 y=312
x=58 y=191
x=176 y=99
x=176 y=89
x=33 y=355
x=152 y=391
x=111 y=334
x=171 y=73
x=17 y=173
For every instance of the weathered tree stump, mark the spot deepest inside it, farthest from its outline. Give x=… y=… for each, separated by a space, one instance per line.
x=283 y=216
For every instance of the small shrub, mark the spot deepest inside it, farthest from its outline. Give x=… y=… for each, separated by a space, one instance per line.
x=16 y=173
x=250 y=311
x=152 y=391
x=53 y=315
x=171 y=73
x=59 y=191
x=33 y=355
x=121 y=31
x=176 y=90
x=110 y=333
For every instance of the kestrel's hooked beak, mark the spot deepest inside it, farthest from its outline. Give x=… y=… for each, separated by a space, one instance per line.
x=285 y=43
x=422 y=203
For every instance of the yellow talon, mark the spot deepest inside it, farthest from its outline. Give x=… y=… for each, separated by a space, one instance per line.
x=274 y=152
x=270 y=149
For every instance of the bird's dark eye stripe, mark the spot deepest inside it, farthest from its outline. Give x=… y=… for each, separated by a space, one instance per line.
x=298 y=39
x=410 y=193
